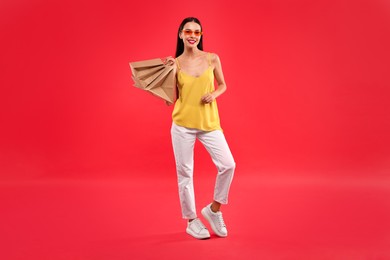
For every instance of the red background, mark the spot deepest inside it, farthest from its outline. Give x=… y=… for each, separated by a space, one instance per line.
x=307 y=103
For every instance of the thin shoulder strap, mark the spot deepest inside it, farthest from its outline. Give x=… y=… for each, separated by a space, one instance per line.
x=178 y=64
x=209 y=58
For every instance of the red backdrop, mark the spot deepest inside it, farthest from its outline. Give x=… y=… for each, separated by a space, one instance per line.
x=306 y=115
x=307 y=85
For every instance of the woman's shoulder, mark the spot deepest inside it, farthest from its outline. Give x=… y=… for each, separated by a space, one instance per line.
x=214 y=57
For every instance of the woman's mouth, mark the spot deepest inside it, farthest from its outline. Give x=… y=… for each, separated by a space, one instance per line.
x=191 y=41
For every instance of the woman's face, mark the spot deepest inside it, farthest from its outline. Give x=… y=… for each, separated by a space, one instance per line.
x=191 y=34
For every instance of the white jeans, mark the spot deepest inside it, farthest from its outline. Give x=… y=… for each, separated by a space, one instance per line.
x=183 y=140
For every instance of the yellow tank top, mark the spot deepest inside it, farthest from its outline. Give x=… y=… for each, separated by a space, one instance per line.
x=189 y=110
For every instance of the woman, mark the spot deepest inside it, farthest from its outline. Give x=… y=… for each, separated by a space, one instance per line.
x=195 y=116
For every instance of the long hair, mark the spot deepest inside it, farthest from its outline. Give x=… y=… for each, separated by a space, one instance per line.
x=180 y=43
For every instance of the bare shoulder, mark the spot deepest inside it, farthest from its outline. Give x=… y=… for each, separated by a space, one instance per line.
x=180 y=56
x=215 y=59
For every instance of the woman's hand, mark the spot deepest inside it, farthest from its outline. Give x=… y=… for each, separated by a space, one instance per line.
x=168 y=61
x=208 y=98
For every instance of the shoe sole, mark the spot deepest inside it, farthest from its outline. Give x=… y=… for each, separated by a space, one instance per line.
x=207 y=217
x=189 y=232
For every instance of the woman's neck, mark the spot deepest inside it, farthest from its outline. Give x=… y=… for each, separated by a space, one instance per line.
x=191 y=52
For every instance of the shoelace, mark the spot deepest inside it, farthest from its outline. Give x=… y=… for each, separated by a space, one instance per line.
x=220 y=220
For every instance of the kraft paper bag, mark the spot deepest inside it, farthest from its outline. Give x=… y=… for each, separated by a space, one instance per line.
x=155 y=77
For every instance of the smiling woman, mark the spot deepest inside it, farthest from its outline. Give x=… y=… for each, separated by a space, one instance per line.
x=195 y=116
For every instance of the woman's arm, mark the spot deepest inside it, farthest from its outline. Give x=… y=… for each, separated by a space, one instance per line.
x=171 y=62
x=210 y=97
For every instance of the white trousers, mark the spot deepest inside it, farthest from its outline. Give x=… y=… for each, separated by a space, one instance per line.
x=183 y=141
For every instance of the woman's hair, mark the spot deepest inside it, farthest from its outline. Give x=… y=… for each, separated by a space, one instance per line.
x=180 y=44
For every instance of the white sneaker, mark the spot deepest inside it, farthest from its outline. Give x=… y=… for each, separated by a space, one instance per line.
x=196 y=229
x=216 y=221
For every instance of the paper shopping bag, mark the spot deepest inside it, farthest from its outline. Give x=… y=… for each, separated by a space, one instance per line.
x=155 y=77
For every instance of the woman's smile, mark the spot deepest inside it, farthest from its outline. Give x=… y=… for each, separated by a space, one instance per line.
x=191 y=41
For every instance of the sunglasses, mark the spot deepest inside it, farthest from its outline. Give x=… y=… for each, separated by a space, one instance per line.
x=188 y=32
